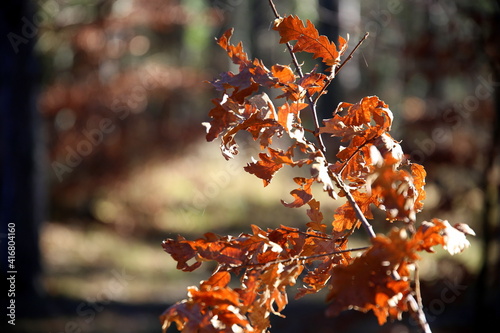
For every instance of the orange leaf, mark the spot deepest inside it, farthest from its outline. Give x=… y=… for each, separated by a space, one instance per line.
x=284 y=74
x=418 y=173
x=452 y=238
x=267 y=166
x=345 y=217
x=367 y=283
x=216 y=281
x=428 y=235
x=289 y=113
x=316 y=216
x=308 y=39
x=236 y=53
x=301 y=195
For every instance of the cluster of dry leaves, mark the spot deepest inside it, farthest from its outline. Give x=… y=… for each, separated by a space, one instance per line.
x=370 y=169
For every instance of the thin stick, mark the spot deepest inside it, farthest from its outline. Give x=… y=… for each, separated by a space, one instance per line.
x=306 y=257
x=359 y=214
x=349 y=57
x=312 y=103
x=414 y=305
x=417 y=286
x=337 y=70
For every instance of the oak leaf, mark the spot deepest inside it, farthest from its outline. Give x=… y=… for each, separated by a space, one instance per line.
x=452 y=238
x=368 y=283
x=309 y=40
x=316 y=216
x=301 y=195
x=345 y=217
x=268 y=165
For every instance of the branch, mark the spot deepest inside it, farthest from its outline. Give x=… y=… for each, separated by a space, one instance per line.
x=359 y=214
x=312 y=103
x=337 y=70
x=414 y=305
x=282 y=261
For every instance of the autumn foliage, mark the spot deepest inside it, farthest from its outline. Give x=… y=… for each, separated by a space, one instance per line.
x=253 y=270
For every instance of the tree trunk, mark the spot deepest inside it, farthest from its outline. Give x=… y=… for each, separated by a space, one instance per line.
x=20 y=198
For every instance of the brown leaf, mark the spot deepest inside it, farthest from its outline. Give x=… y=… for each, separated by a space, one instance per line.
x=316 y=216
x=223 y=116
x=317 y=279
x=418 y=173
x=310 y=83
x=217 y=310
x=308 y=39
x=301 y=195
x=368 y=283
x=452 y=238
x=345 y=216
x=250 y=76
x=369 y=118
x=236 y=53
x=181 y=251
x=268 y=165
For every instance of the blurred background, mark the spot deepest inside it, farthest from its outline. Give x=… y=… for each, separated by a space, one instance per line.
x=104 y=156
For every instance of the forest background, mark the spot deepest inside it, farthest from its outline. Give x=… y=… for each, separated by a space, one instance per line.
x=104 y=156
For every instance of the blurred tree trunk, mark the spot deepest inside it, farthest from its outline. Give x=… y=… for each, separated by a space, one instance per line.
x=329 y=26
x=488 y=283
x=20 y=199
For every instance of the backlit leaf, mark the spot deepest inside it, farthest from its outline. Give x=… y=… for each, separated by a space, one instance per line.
x=309 y=40
x=301 y=195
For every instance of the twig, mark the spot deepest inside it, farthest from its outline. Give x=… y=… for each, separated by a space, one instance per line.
x=417 y=286
x=349 y=57
x=337 y=70
x=414 y=305
x=333 y=253
x=359 y=214
x=419 y=315
x=312 y=103
x=306 y=257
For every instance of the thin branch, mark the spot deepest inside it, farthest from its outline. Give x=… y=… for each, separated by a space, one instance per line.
x=417 y=286
x=349 y=57
x=282 y=261
x=414 y=305
x=359 y=214
x=333 y=253
x=312 y=103
x=337 y=70
x=315 y=236
x=419 y=315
